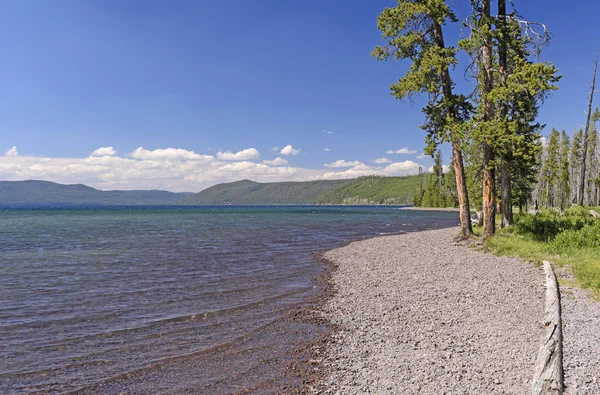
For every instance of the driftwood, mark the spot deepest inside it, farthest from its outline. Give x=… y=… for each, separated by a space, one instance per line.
x=548 y=373
x=594 y=214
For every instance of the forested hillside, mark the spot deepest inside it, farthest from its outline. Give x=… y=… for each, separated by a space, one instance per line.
x=45 y=192
x=250 y=192
x=374 y=190
x=363 y=190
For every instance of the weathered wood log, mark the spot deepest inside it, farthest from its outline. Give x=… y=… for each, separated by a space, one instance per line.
x=548 y=371
x=594 y=214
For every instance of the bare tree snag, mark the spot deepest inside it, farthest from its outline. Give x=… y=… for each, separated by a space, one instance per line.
x=585 y=137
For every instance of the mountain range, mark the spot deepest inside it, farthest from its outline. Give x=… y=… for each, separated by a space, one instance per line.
x=362 y=190
x=45 y=192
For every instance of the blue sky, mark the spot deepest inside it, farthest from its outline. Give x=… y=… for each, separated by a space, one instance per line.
x=210 y=76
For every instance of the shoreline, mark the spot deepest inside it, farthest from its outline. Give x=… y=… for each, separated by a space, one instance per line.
x=390 y=332
x=341 y=359
x=443 y=209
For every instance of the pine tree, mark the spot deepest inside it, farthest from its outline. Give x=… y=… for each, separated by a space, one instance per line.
x=434 y=195
x=417 y=199
x=575 y=165
x=565 y=192
x=508 y=97
x=414 y=30
x=551 y=169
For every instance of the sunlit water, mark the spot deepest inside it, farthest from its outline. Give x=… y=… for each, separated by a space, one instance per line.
x=91 y=293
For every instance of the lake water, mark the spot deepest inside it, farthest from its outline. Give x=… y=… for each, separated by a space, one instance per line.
x=94 y=294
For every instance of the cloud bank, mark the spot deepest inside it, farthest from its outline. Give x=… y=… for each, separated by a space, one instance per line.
x=275 y=162
x=178 y=169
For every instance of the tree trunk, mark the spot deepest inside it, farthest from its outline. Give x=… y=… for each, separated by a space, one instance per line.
x=505 y=182
x=461 y=180
x=521 y=206
x=507 y=212
x=585 y=136
x=463 y=195
x=489 y=195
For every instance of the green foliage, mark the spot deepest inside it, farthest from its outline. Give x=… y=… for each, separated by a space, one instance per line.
x=576 y=243
x=586 y=237
x=564 y=189
x=373 y=190
x=545 y=226
x=550 y=171
x=413 y=31
x=250 y=192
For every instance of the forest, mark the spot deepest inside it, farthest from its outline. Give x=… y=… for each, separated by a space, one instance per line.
x=552 y=182
x=535 y=191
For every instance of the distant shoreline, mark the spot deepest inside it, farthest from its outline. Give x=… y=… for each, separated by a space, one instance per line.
x=447 y=209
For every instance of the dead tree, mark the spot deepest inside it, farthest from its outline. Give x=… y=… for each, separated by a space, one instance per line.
x=585 y=136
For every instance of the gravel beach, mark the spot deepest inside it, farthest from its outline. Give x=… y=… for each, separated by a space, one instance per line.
x=581 y=338
x=421 y=315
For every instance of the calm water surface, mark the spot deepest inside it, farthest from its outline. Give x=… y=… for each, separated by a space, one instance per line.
x=91 y=293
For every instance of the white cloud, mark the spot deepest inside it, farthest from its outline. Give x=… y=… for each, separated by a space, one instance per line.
x=276 y=148
x=177 y=170
x=167 y=154
x=422 y=156
x=289 y=150
x=12 y=152
x=104 y=151
x=275 y=162
x=249 y=153
x=382 y=161
x=405 y=168
x=343 y=163
x=326 y=149
x=327 y=132
x=445 y=169
x=404 y=151
x=115 y=172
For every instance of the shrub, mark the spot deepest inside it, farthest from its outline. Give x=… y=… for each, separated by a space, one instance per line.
x=586 y=237
x=545 y=226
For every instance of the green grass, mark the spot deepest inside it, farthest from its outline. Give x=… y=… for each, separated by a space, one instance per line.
x=583 y=261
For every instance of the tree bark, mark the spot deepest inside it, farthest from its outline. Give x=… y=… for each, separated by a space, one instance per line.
x=585 y=136
x=507 y=211
x=548 y=376
x=505 y=182
x=463 y=195
x=457 y=159
x=489 y=195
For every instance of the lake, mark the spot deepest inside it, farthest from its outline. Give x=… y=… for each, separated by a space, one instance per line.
x=96 y=299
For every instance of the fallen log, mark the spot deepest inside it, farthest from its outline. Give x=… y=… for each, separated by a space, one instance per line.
x=548 y=372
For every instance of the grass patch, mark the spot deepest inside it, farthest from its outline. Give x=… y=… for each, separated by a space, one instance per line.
x=513 y=245
x=572 y=242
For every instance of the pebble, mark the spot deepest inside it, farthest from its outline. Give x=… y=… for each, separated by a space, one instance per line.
x=421 y=314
